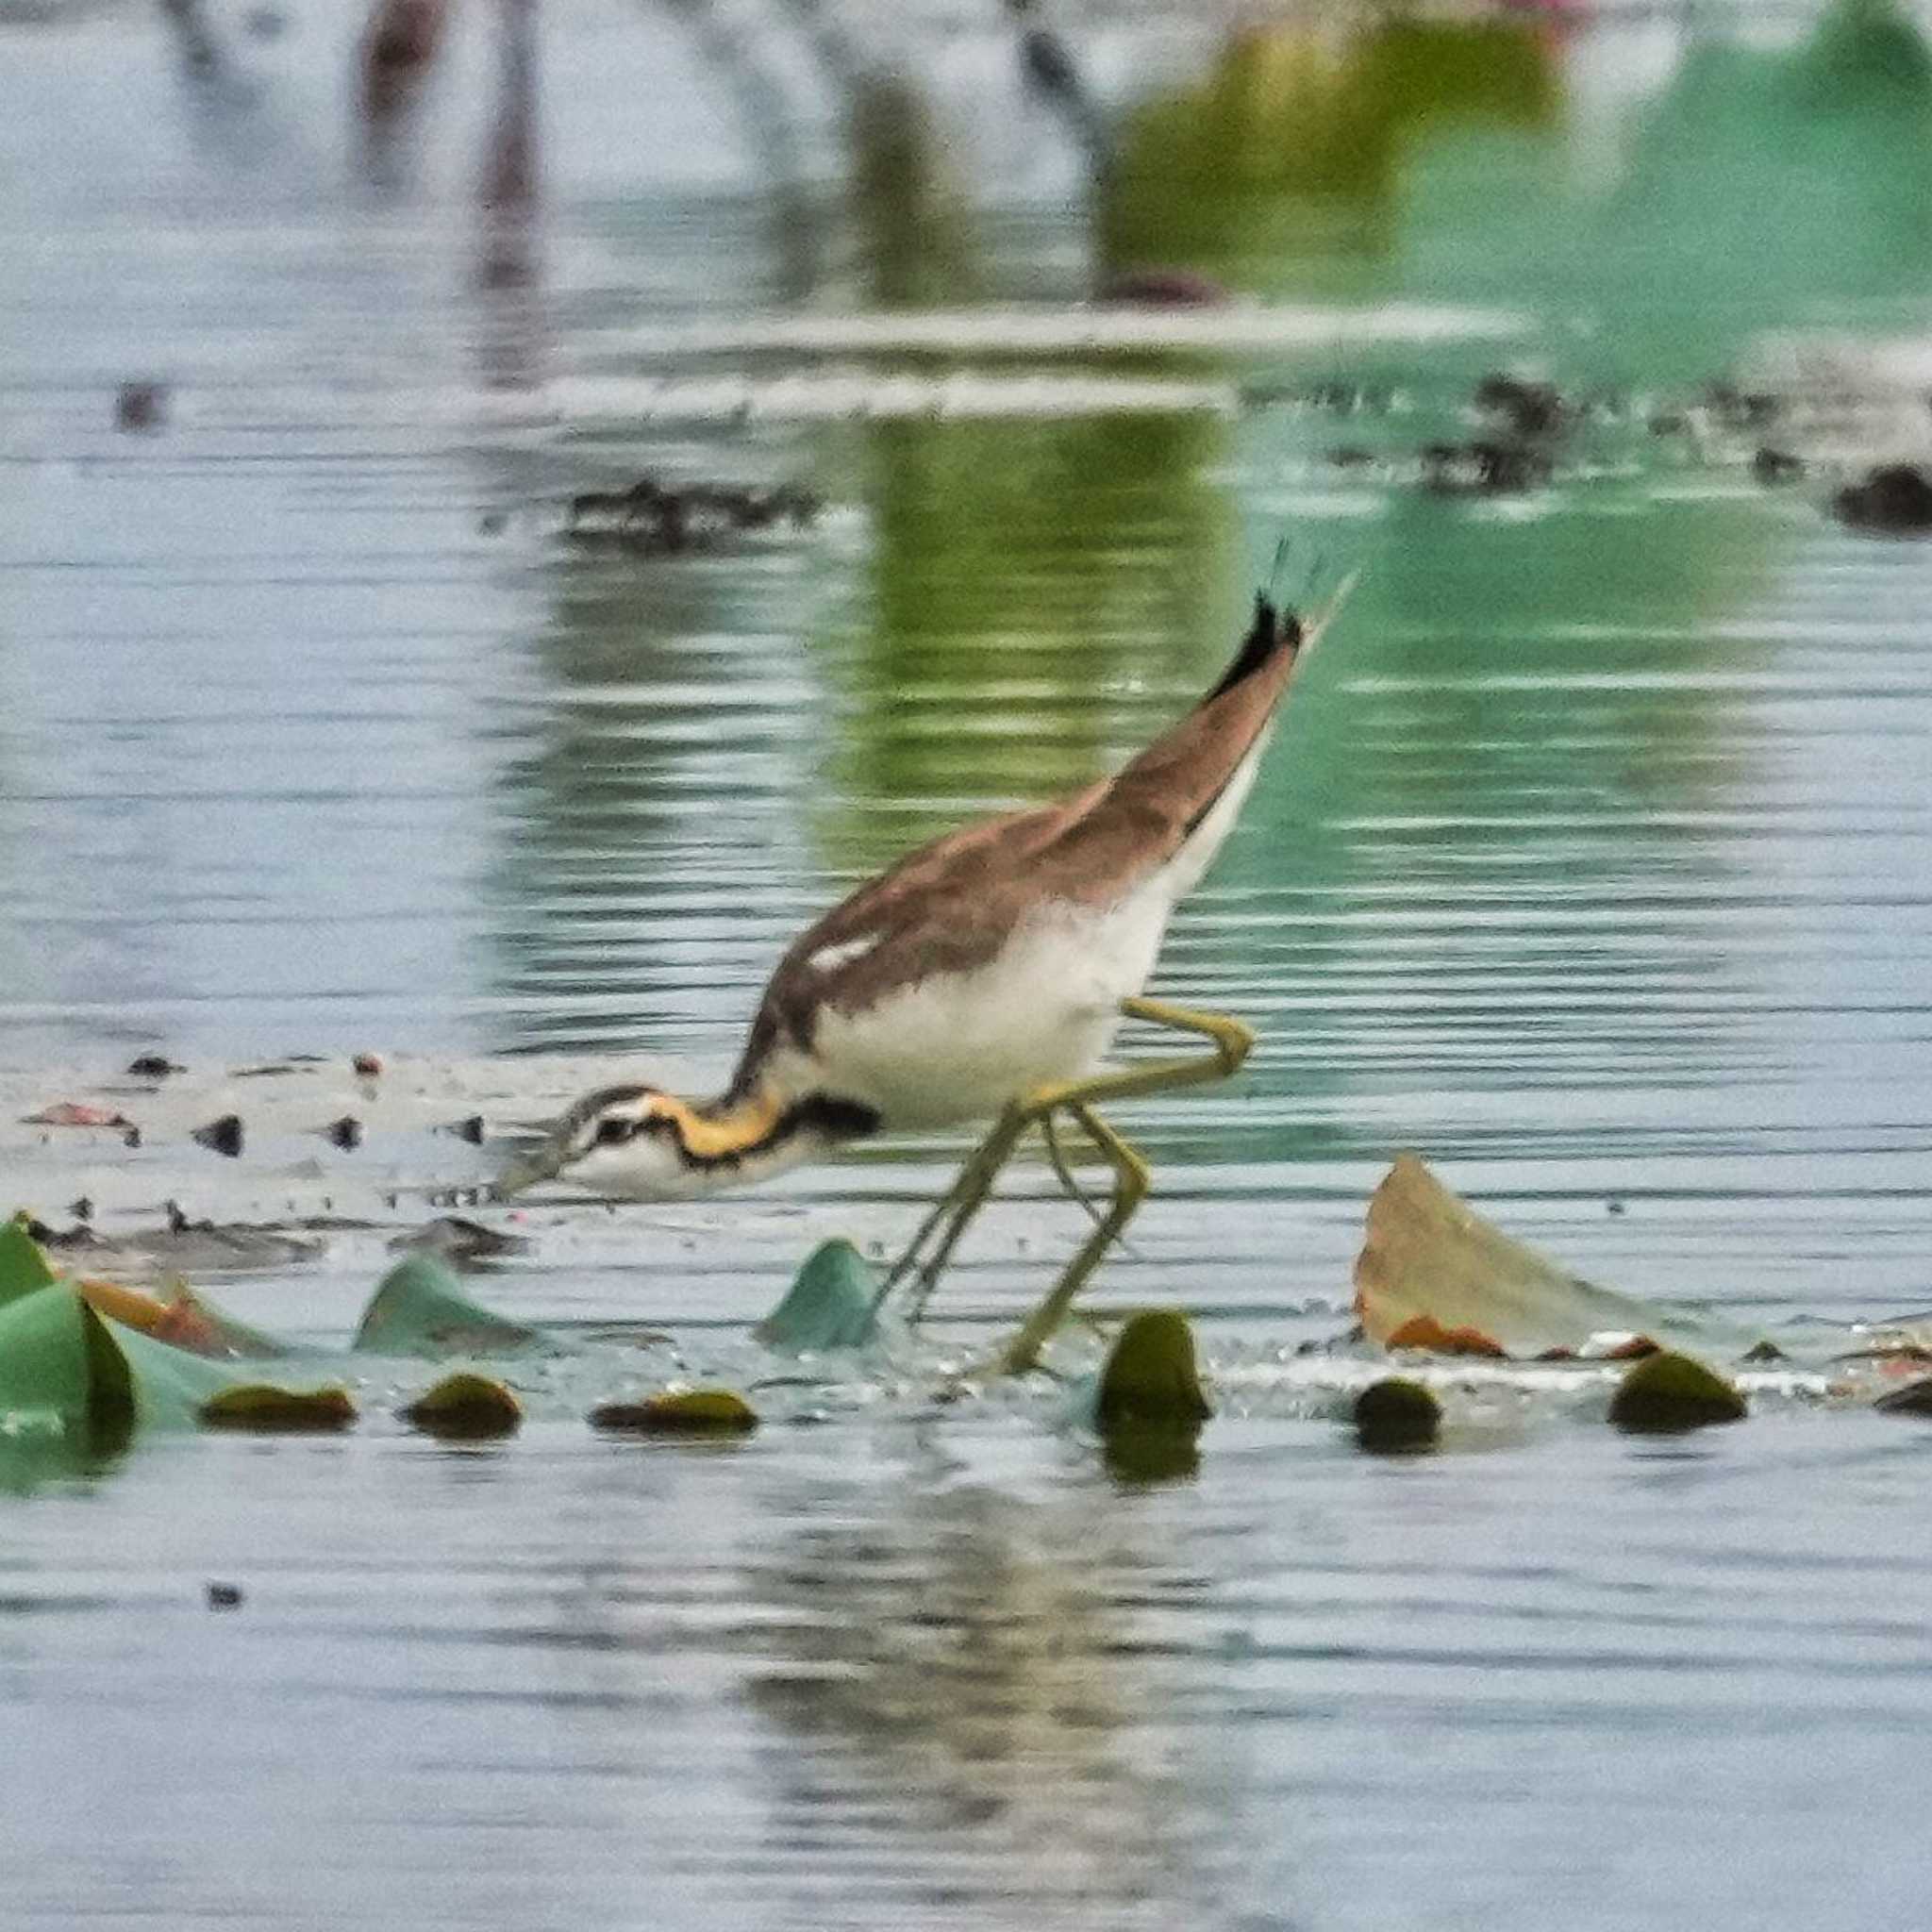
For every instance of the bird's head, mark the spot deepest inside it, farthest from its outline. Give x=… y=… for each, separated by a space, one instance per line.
x=635 y=1142
x=648 y=1146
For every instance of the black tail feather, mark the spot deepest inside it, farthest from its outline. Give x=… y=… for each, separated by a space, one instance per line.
x=1272 y=630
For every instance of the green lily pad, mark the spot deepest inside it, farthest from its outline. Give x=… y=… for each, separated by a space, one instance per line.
x=829 y=1305
x=465 y=1409
x=693 y=1412
x=1395 y=1415
x=264 y=1409
x=1669 y=1392
x=418 y=1309
x=23 y=1267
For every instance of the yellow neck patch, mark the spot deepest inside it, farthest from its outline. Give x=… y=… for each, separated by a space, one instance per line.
x=719 y=1132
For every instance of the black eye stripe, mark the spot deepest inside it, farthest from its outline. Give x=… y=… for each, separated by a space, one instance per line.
x=614 y=1132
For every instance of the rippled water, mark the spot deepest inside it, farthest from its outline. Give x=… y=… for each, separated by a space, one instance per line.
x=1593 y=862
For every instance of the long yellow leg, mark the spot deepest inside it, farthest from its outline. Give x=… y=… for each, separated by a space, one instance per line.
x=969 y=1193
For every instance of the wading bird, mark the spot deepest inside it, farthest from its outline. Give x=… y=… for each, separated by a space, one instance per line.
x=981 y=978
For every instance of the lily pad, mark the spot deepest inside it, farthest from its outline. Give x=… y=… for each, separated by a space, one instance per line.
x=418 y=1309
x=60 y=1371
x=264 y=1409
x=1669 y=1392
x=465 y=1409
x=1432 y=1272
x=829 y=1305
x=23 y=1267
x=691 y=1412
x=1395 y=1415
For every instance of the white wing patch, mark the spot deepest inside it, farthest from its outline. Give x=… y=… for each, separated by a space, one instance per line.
x=829 y=958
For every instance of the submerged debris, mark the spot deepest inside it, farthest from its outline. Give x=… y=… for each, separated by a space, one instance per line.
x=458 y=1239
x=1530 y=408
x=1773 y=466
x=141 y=407
x=1483 y=468
x=154 y=1066
x=345 y=1133
x=656 y=517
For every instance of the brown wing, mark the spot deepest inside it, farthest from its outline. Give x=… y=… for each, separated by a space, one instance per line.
x=950 y=906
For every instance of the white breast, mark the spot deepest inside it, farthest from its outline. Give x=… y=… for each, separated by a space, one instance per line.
x=958 y=1046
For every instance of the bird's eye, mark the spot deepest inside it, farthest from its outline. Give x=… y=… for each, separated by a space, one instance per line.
x=616 y=1130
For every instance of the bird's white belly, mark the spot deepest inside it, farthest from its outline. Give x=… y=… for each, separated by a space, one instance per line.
x=960 y=1046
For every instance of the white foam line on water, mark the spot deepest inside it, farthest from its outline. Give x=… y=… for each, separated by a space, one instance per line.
x=855 y=394
x=1033 y=331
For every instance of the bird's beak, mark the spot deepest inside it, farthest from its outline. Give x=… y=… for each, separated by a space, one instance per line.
x=542 y=1162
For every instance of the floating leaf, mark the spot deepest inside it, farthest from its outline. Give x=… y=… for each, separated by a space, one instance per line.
x=1395 y=1414
x=60 y=1368
x=829 y=1305
x=261 y=1407
x=465 y=1409
x=693 y=1412
x=1433 y=1271
x=418 y=1309
x=1669 y=1392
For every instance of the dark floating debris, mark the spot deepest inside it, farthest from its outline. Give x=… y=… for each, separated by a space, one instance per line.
x=81 y=1208
x=225 y=1597
x=1913 y=1398
x=1530 y=408
x=224 y=1135
x=154 y=1066
x=1894 y=496
x=1736 y=408
x=1667 y=1391
x=346 y=1132
x=1772 y=466
x=654 y=517
x=1397 y=1416
x=465 y=1408
x=78 y=1236
x=141 y=407
x=469 y=1129
x=457 y=1240
x=694 y=1412
x=1482 y=467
